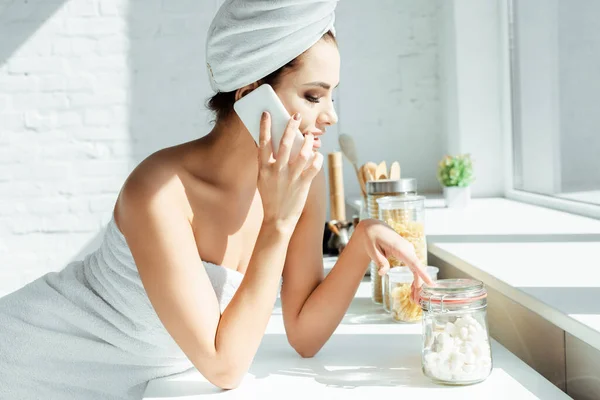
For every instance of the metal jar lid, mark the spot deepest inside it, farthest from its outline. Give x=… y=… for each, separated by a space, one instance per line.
x=405 y=185
x=453 y=292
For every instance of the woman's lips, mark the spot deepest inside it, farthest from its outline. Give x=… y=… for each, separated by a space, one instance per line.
x=317 y=140
x=317 y=143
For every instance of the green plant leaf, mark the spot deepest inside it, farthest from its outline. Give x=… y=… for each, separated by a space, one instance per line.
x=455 y=170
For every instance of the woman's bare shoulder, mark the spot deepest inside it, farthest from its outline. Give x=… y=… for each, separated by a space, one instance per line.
x=159 y=178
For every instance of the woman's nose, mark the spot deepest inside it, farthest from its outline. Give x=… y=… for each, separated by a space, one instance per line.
x=328 y=117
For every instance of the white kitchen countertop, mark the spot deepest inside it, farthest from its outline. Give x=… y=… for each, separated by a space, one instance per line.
x=546 y=260
x=368 y=355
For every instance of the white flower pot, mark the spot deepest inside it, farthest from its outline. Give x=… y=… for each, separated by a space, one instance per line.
x=457 y=197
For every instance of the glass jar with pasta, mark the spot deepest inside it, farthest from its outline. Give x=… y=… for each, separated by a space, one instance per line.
x=378 y=189
x=396 y=293
x=406 y=215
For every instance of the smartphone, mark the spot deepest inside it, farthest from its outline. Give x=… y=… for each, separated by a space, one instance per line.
x=250 y=108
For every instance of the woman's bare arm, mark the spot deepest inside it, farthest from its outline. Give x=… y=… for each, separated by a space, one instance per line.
x=312 y=306
x=162 y=243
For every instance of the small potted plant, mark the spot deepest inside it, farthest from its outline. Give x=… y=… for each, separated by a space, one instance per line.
x=455 y=174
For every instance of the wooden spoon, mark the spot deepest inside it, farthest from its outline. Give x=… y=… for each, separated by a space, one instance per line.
x=395 y=171
x=381 y=172
x=362 y=181
x=371 y=168
x=349 y=150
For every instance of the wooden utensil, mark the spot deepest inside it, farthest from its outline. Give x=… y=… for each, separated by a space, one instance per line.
x=349 y=150
x=366 y=175
x=333 y=227
x=381 y=172
x=395 y=171
x=371 y=168
x=336 y=186
x=362 y=181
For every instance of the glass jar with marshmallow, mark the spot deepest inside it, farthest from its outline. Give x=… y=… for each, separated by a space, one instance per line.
x=456 y=344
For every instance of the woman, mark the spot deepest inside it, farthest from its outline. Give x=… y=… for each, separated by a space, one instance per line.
x=202 y=233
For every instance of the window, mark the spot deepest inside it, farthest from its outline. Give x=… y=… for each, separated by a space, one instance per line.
x=554 y=51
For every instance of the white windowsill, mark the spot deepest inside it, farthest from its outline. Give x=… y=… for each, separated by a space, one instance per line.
x=546 y=260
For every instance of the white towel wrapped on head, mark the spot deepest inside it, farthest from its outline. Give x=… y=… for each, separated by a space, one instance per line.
x=249 y=39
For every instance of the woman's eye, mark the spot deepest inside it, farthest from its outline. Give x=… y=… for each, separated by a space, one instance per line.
x=312 y=99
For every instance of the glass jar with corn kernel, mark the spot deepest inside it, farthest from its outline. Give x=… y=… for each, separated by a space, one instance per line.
x=406 y=215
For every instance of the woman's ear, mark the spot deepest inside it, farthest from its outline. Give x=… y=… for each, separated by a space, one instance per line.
x=241 y=92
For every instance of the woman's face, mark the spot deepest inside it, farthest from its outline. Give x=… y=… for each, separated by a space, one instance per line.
x=308 y=88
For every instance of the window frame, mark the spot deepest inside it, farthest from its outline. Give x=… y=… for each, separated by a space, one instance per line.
x=507 y=101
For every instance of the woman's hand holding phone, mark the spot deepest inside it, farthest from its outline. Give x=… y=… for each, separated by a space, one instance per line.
x=284 y=180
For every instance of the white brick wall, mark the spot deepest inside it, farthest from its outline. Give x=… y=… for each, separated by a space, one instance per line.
x=64 y=88
x=88 y=88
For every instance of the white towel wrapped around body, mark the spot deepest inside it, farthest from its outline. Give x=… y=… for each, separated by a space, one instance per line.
x=90 y=331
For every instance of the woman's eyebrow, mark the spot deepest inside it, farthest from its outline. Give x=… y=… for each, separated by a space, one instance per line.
x=324 y=85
